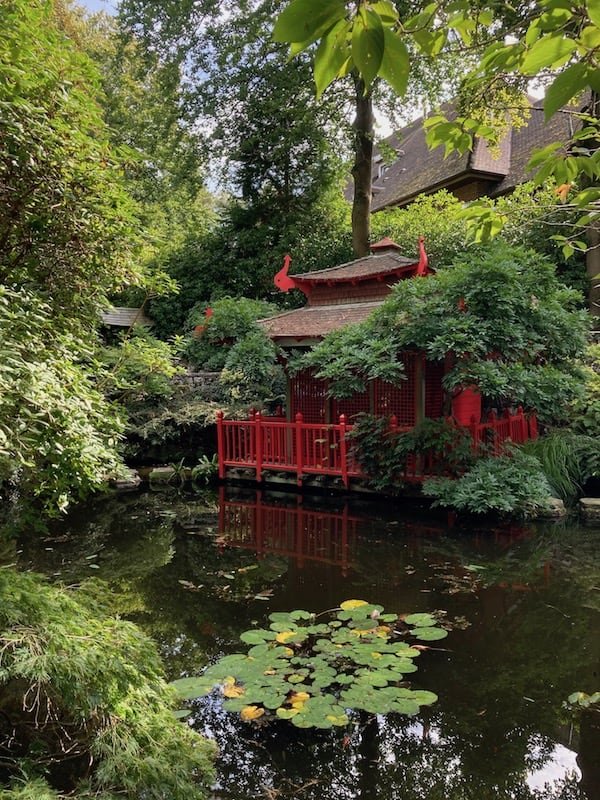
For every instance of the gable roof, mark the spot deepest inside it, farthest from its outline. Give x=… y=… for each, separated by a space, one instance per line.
x=122 y=317
x=419 y=170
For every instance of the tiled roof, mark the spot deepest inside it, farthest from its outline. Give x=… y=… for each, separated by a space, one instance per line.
x=418 y=169
x=122 y=317
x=537 y=133
x=367 y=267
x=315 y=321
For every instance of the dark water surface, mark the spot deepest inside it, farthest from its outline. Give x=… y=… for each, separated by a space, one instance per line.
x=522 y=602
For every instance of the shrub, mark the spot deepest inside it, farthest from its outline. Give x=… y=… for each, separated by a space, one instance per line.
x=232 y=319
x=383 y=454
x=568 y=460
x=87 y=705
x=513 y=484
x=251 y=372
x=587 y=409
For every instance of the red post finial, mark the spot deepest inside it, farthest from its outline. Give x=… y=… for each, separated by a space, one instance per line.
x=282 y=280
x=423 y=258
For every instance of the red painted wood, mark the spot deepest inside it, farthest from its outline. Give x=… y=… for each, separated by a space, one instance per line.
x=306 y=448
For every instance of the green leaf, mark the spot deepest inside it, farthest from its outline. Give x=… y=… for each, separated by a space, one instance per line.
x=306 y=20
x=593 y=10
x=420 y=620
x=549 y=51
x=430 y=634
x=256 y=637
x=395 y=64
x=331 y=55
x=367 y=45
x=563 y=88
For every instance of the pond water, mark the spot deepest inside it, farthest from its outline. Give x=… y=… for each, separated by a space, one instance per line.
x=522 y=604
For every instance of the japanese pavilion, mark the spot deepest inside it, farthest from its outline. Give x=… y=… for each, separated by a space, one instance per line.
x=311 y=438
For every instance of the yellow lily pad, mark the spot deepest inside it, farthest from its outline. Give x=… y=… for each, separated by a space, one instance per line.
x=249 y=713
x=348 y=605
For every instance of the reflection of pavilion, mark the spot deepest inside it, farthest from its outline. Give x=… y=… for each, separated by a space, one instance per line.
x=296 y=532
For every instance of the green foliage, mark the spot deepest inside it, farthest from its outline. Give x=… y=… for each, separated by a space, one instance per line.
x=511 y=484
x=252 y=373
x=206 y=469
x=513 y=329
x=68 y=224
x=568 y=460
x=100 y=720
x=436 y=217
x=587 y=409
x=58 y=434
x=583 y=700
x=311 y=672
x=383 y=454
x=233 y=319
x=140 y=368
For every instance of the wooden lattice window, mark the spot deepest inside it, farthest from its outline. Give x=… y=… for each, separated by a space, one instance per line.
x=434 y=393
x=309 y=396
x=399 y=400
x=351 y=406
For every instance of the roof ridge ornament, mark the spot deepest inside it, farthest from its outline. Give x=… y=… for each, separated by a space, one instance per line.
x=423 y=258
x=282 y=280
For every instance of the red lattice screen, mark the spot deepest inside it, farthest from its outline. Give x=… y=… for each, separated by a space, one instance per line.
x=399 y=400
x=351 y=406
x=434 y=393
x=309 y=396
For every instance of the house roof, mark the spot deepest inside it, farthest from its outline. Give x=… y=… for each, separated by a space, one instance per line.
x=313 y=322
x=122 y=317
x=421 y=170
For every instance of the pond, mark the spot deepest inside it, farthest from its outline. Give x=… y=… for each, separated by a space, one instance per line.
x=521 y=602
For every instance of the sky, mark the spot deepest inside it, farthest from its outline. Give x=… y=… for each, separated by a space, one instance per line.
x=99 y=5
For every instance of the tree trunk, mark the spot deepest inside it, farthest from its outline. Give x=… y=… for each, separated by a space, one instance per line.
x=592 y=257
x=362 y=169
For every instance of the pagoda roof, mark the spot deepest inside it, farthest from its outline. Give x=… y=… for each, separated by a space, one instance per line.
x=372 y=266
x=314 y=322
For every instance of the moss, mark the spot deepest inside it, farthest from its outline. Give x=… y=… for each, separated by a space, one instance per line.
x=85 y=704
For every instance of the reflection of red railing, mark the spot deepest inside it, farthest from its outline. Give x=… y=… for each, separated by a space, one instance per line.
x=290 y=532
x=273 y=443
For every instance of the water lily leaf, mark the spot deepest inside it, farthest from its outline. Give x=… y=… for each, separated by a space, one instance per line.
x=182 y=713
x=301 y=614
x=420 y=620
x=248 y=713
x=406 y=706
x=280 y=616
x=349 y=605
x=424 y=697
x=287 y=713
x=430 y=634
x=281 y=627
x=256 y=636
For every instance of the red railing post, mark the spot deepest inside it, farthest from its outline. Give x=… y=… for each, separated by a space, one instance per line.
x=258 y=443
x=299 y=447
x=343 y=450
x=524 y=426
x=220 y=443
x=494 y=428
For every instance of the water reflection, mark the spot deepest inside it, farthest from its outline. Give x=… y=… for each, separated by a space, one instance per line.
x=522 y=603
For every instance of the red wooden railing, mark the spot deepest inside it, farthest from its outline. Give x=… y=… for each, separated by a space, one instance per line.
x=272 y=443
